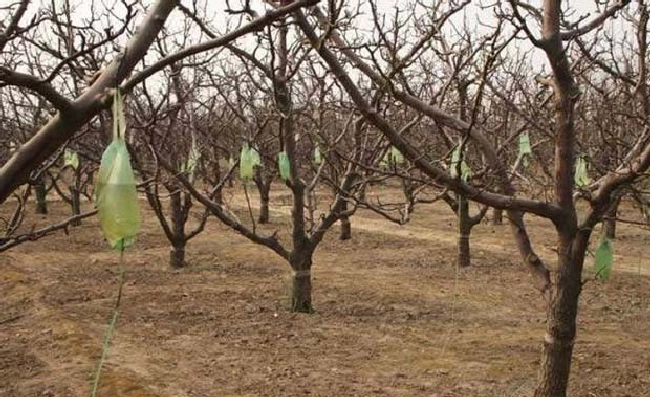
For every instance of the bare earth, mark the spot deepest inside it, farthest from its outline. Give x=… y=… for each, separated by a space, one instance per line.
x=394 y=317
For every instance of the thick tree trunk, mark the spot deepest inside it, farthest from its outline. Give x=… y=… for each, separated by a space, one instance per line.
x=464 y=257
x=561 y=320
x=609 y=221
x=177 y=255
x=41 y=196
x=301 y=284
x=264 y=209
x=177 y=251
x=497 y=217
x=263 y=183
x=464 y=229
x=346 y=226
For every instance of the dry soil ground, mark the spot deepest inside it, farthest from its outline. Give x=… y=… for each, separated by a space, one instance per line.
x=393 y=316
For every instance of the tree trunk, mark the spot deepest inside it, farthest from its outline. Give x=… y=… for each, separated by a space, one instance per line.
x=464 y=229
x=177 y=252
x=75 y=202
x=346 y=226
x=263 y=183
x=561 y=320
x=301 y=284
x=177 y=255
x=264 y=208
x=41 y=196
x=609 y=221
x=497 y=217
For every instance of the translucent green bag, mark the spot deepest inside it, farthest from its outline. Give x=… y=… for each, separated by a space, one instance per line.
x=604 y=259
x=525 y=150
x=524 y=145
x=464 y=168
x=392 y=156
x=581 y=178
x=70 y=158
x=318 y=157
x=283 y=166
x=117 y=198
x=255 y=157
x=192 y=159
x=398 y=158
x=245 y=163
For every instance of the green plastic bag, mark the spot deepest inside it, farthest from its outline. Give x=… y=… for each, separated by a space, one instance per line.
x=283 y=166
x=465 y=171
x=318 y=157
x=392 y=156
x=245 y=163
x=581 y=177
x=70 y=158
x=117 y=197
x=525 y=150
x=192 y=159
x=524 y=145
x=398 y=158
x=255 y=157
x=604 y=258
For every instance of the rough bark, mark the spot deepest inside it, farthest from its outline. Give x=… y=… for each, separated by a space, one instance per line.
x=41 y=196
x=75 y=203
x=609 y=220
x=561 y=318
x=346 y=226
x=263 y=183
x=497 y=217
x=264 y=209
x=562 y=306
x=177 y=252
x=301 y=283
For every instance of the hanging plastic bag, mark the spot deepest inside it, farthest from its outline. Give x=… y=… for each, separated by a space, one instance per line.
x=604 y=259
x=465 y=171
x=192 y=159
x=117 y=197
x=283 y=166
x=70 y=158
x=255 y=157
x=318 y=157
x=525 y=150
x=398 y=158
x=245 y=163
x=581 y=177
x=524 y=145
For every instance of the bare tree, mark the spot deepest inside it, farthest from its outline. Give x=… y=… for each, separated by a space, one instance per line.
x=573 y=235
